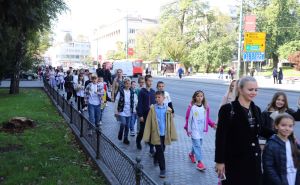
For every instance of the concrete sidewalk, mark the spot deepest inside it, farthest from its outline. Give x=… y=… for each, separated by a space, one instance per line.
x=263 y=82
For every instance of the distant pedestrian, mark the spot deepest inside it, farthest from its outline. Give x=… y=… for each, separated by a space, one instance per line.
x=221 y=72
x=145 y=100
x=237 y=151
x=52 y=77
x=105 y=73
x=197 y=124
x=86 y=75
x=117 y=84
x=69 y=85
x=165 y=69
x=125 y=102
x=75 y=80
x=281 y=156
x=230 y=94
x=252 y=71
x=160 y=130
x=79 y=88
x=180 y=72
x=229 y=73
x=60 y=79
x=275 y=75
x=190 y=70
x=280 y=75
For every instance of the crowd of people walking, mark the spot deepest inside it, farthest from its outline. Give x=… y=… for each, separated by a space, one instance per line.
x=252 y=147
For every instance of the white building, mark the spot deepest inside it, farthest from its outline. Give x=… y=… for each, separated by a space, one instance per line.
x=69 y=53
x=124 y=30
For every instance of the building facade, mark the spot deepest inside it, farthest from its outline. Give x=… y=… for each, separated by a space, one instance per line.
x=110 y=37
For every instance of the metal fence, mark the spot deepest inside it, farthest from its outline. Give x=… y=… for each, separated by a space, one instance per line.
x=126 y=171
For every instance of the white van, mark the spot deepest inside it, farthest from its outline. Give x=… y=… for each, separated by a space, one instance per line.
x=125 y=65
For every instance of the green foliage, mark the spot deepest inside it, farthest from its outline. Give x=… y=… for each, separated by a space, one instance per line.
x=119 y=54
x=49 y=153
x=22 y=23
x=146 y=44
x=211 y=55
x=191 y=32
x=280 y=20
x=288 y=49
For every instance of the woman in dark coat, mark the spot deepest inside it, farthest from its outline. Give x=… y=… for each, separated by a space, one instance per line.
x=280 y=75
x=69 y=85
x=237 y=153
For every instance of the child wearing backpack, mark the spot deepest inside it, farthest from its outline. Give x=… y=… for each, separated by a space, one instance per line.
x=197 y=121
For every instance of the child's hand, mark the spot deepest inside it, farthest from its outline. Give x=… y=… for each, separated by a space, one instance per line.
x=215 y=126
x=189 y=134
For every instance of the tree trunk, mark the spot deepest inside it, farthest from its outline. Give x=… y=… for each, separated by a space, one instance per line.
x=20 y=51
x=275 y=60
x=208 y=66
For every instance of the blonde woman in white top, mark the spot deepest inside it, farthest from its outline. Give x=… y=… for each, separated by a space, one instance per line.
x=231 y=94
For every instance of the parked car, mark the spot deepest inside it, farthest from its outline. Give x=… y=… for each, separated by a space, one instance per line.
x=28 y=75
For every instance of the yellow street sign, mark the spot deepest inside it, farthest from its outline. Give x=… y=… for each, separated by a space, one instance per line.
x=255 y=42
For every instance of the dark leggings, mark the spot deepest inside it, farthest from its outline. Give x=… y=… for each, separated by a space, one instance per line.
x=80 y=102
x=275 y=79
x=69 y=95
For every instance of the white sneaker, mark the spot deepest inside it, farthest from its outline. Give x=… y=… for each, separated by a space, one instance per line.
x=100 y=123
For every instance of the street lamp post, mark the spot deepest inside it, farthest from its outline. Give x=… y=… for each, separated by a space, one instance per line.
x=240 y=40
x=126 y=34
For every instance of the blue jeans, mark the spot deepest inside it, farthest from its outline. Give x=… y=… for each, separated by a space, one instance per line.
x=132 y=121
x=125 y=122
x=196 y=148
x=94 y=114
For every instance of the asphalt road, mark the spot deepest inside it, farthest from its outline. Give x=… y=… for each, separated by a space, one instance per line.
x=181 y=92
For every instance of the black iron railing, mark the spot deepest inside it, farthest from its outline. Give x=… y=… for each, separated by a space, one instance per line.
x=126 y=170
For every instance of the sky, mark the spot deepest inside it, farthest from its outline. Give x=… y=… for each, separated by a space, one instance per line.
x=85 y=15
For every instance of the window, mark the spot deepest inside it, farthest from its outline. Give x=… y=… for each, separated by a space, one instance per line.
x=137 y=64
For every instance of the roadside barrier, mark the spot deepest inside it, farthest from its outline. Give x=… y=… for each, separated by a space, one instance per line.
x=125 y=170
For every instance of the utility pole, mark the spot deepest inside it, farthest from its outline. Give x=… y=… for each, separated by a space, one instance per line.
x=127 y=34
x=240 y=40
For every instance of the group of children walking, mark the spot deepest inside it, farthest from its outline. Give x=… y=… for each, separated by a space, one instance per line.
x=154 y=113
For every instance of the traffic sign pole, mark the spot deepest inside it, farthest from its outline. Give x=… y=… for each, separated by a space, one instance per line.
x=240 y=40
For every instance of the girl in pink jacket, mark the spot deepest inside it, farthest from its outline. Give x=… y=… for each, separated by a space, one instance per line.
x=197 y=121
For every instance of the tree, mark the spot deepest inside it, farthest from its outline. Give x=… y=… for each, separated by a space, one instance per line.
x=211 y=55
x=20 y=22
x=145 y=47
x=191 y=25
x=118 y=54
x=179 y=25
x=280 y=20
x=288 y=49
